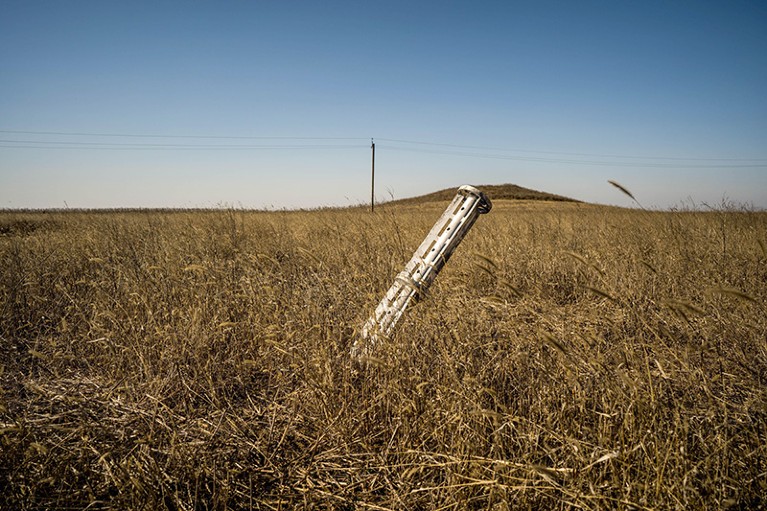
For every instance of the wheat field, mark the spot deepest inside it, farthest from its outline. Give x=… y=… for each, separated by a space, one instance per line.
x=569 y=356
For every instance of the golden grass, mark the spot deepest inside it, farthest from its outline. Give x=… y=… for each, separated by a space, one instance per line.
x=568 y=357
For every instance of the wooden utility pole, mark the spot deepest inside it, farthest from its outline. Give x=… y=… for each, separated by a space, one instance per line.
x=373 y=177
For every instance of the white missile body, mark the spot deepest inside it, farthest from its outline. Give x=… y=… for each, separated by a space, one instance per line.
x=424 y=266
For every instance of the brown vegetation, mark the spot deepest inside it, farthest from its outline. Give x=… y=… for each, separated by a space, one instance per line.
x=568 y=357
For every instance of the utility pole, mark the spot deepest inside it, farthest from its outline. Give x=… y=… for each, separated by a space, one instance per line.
x=373 y=177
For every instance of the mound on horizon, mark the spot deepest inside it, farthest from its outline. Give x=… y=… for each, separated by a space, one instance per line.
x=495 y=192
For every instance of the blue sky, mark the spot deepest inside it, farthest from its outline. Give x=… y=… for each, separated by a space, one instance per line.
x=273 y=103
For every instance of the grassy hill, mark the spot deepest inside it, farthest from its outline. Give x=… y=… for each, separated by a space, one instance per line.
x=495 y=192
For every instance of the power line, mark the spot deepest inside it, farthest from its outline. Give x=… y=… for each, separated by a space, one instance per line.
x=287 y=142
x=560 y=157
x=576 y=161
x=139 y=135
x=56 y=144
x=561 y=153
x=187 y=148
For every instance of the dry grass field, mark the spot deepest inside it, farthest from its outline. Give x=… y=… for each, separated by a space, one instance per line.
x=569 y=356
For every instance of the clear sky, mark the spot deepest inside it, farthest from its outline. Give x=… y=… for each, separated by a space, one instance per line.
x=273 y=103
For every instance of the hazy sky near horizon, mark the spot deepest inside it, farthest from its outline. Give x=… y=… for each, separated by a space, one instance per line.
x=274 y=103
